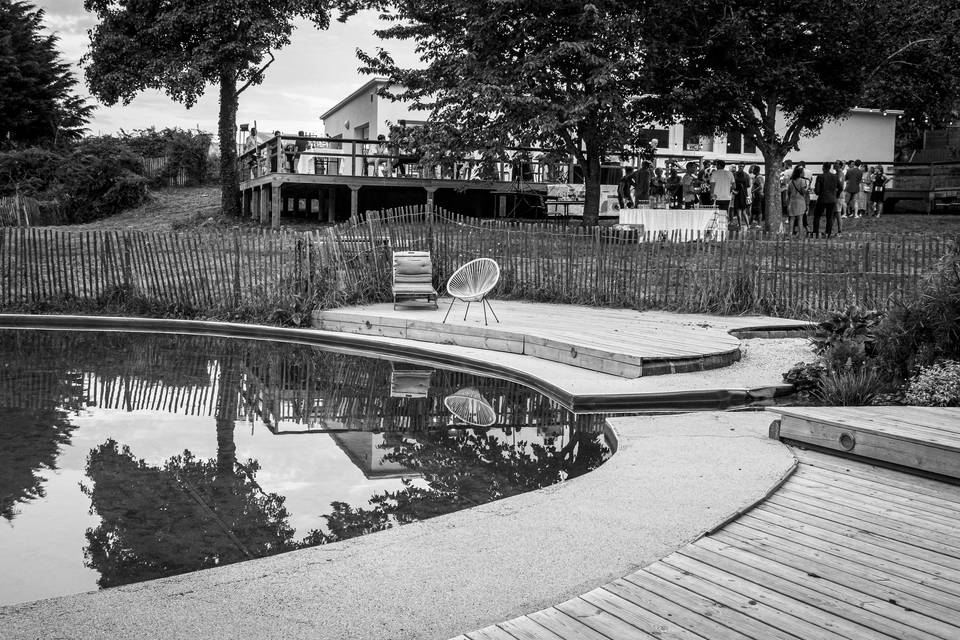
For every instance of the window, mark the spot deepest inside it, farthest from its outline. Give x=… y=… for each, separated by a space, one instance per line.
x=749 y=146
x=734 y=142
x=696 y=138
x=337 y=145
x=362 y=132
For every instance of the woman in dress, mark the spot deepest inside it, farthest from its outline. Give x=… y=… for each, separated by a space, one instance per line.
x=741 y=196
x=658 y=188
x=757 y=184
x=877 y=191
x=796 y=198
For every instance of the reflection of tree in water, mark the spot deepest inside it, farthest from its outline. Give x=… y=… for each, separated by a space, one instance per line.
x=30 y=441
x=462 y=469
x=186 y=515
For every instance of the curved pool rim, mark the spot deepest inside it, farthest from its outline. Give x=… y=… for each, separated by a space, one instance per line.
x=357 y=344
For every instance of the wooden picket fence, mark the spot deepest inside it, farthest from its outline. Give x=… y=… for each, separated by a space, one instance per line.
x=154 y=167
x=233 y=273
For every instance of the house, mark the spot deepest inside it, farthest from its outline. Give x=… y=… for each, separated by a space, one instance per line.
x=364 y=114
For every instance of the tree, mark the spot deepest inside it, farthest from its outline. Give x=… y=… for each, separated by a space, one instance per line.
x=37 y=100
x=773 y=70
x=558 y=74
x=921 y=76
x=181 y=47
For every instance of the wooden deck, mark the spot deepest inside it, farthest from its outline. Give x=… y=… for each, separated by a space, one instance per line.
x=842 y=550
x=614 y=341
x=924 y=438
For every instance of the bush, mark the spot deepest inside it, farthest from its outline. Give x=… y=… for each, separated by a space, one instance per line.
x=183 y=150
x=805 y=376
x=937 y=385
x=850 y=387
x=29 y=172
x=853 y=326
x=920 y=334
x=100 y=177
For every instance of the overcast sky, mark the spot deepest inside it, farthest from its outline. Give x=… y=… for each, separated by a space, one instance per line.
x=309 y=76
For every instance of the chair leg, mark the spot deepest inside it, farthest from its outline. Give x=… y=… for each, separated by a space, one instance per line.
x=491 y=310
x=466 y=312
x=452 y=300
x=484 y=312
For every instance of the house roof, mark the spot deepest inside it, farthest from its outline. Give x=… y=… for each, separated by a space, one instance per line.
x=367 y=86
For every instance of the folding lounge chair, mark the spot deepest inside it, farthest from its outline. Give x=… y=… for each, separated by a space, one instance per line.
x=413 y=277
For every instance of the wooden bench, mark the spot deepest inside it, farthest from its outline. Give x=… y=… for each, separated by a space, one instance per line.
x=413 y=277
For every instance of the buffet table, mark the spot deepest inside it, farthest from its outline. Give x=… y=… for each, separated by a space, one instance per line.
x=662 y=221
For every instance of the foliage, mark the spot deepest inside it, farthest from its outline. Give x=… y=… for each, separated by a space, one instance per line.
x=30 y=441
x=937 y=385
x=850 y=386
x=183 y=149
x=805 y=376
x=183 y=516
x=924 y=79
x=928 y=330
x=100 y=177
x=777 y=71
x=495 y=74
x=461 y=469
x=854 y=325
x=37 y=100
x=182 y=47
x=29 y=171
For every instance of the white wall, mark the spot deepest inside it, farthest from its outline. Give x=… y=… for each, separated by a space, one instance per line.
x=357 y=112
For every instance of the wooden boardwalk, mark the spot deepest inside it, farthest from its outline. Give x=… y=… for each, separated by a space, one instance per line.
x=842 y=550
x=619 y=342
x=924 y=438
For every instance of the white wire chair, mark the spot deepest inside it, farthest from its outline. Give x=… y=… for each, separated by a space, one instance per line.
x=469 y=406
x=471 y=283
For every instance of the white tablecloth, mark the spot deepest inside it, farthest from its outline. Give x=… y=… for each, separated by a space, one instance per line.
x=666 y=220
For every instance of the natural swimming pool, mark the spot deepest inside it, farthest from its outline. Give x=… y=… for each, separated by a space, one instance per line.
x=130 y=456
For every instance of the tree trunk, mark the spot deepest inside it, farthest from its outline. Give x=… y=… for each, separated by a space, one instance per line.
x=229 y=172
x=228 y=389
x=591 y=175
x=773 y=207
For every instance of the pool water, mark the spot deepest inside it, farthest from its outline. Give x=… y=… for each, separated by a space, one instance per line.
x=126 y=457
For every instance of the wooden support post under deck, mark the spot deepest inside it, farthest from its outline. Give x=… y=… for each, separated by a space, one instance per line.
x=275 y=202
x=501 y=206
x=264 y=202
x=332 y=208
x=354 y=201
x=430 y=192
x=255 y=202
x=309 y=207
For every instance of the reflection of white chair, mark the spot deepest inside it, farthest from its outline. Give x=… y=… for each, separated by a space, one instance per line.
x=471 y=283
x=467 y=405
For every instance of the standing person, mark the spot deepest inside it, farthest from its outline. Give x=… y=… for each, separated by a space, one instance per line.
x=703 y=179
x=688 y=186
x=642 y=182
x=673 y=188
x=852 y=189
x=878 y=190
x=757 y=186
x=658 y=187
x=625 y=186
x=741 y=196
x=721 y=185
x=808 y=177
x=840 y=169
x=784 y=183
x=826 y=189
x=796 y=198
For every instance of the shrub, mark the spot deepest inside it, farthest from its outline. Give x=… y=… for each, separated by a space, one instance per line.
x=937 y=385
x=850 y=387
x=854 y=325
x=100 y=177
x=805 y=376
x=929 y=330
x=29 y=172
x=844 y=354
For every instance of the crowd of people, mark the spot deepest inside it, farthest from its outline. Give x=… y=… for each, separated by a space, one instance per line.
x=841 y=190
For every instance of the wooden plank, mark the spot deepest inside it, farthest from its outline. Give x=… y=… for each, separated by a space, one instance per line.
x=602 y=621
x=565 y=626
x=524 y=628
x=700 y=576
x=490 y=633
x=878 y=592
x=880 y=616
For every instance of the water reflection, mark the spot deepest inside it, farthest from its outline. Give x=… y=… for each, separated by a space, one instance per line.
x=186 y=512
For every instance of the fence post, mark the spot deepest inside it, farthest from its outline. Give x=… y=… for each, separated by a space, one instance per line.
x=127 y=267
x=236 y=268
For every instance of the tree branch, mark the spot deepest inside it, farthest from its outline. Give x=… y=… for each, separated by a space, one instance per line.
x=893 y=55
x=258 y=74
